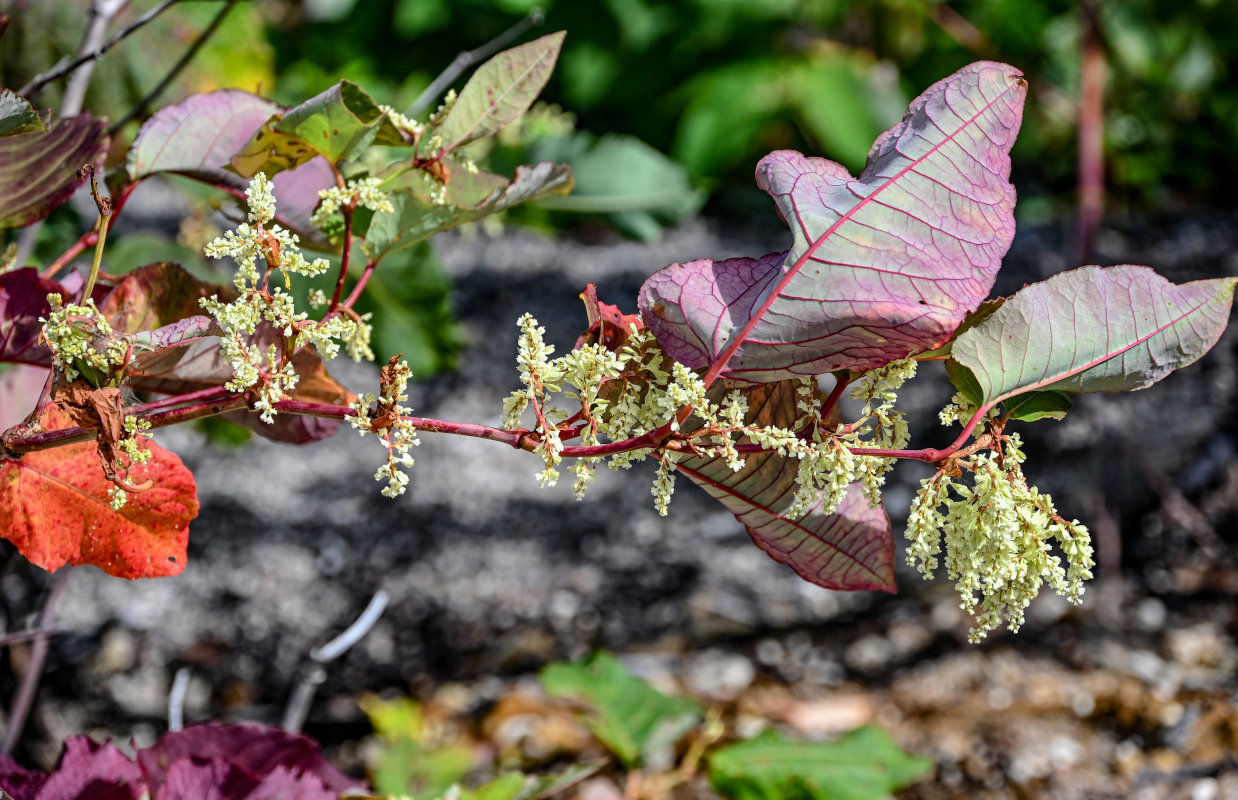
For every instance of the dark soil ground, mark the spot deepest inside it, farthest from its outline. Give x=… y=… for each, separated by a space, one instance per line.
x=1133 y=695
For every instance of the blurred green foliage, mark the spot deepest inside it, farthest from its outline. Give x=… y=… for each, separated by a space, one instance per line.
x=718 y=83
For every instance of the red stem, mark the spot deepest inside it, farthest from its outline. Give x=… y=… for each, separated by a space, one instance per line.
x=840 y=384
x=355 y=294
x=88 y=239
x=344 y=258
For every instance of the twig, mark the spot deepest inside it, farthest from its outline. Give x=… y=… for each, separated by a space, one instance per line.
x=176 y=699
x=467 y=59
x=1091 y=135
x=207 y=32
x=102 y=12
x=303 y=694
x=17 y=637
x=59 y=71
x=24 y=699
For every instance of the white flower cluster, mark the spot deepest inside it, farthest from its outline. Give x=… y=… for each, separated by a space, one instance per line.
x=406 y=124
x=997 y=535
x=391 y=424
x=131 y=447
x=81 y=340
x=622 y=394
x=880 y=424
x=268 y=372
x=362 y=192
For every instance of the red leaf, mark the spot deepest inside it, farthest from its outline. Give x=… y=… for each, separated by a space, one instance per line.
x=54 y=507
x=91 y=770
x=851 y=549
x=251 y=753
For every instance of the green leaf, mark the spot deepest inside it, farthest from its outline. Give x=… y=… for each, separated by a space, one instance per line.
x=500 y=91
x=630 y=717
x=403 y=764
x=469 y=198
x=18 y=116
x=986 y=308
x=504 y=787
x=1092 y=329
x=1038 y=405
x=636 y=188
x=337 y=124
x=862 y=765
x=544 y=786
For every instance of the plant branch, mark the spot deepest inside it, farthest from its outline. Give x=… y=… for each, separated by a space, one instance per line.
x=87 y=239
x=94 y=53
x=930 y=455
x=24 y=700
x=344 y=258
x=207 y=32
x=468 y=58
x=355 y=294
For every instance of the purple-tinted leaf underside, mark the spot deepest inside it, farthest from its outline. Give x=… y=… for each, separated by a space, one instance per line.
x=38 y=171
x=1093 y=329
x=198 y=138
x=881 y=266
x=851 y=549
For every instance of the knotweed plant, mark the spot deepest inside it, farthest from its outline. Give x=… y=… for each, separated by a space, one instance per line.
x=730 y=374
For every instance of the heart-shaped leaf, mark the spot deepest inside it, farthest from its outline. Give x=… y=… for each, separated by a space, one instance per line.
x=54 y=507
x=851 y=549
x=500 y=91
x=1093 y=329
x=881 y=266
x=38 y=171
x=198 y=138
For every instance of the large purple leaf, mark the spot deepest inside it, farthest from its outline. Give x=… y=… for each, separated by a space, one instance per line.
x=23 y=299
x=851 y=549
x=881 y=266
x=1092 y=329
x=198 y=138
x=252 y=750
x=500 y=91
x=89 y=769
x=38 y=171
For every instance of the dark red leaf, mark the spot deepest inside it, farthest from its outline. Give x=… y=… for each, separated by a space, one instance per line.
x=23 y=299
x=38 y=171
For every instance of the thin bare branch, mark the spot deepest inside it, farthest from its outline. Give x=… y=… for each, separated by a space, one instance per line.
x=94 y=54
x=316 y=673
x=202 y=38
x=23 y=701
x=468 y=58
